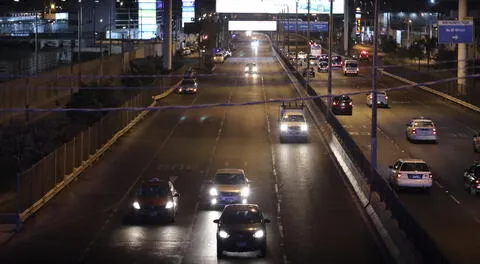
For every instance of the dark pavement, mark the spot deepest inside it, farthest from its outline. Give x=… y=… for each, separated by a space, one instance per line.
x=315 y=215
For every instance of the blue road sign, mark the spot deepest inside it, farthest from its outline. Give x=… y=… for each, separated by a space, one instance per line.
x=455 y=31
x=315 y=26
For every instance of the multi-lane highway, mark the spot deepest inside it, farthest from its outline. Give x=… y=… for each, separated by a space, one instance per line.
x=449 y=214
x=315 y=215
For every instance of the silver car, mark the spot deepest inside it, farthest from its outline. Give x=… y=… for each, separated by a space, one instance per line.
x=412 y=173
x=188 y=86
x=421 y=129
x=382 y=99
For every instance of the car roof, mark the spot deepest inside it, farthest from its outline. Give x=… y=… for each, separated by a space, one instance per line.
x=155 y=182
x=230 y=170
x=241 y=207
x=422 y=119
x=347 y=61
x=292 y=111
x=412 y=161
x=342 y=97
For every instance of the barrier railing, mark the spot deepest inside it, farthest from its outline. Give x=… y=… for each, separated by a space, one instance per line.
x=37 y=185
x=423 y=243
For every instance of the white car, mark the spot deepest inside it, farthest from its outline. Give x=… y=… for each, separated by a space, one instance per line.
x=412 y=173
x=219 y=57
x=302 y=55
x=293 y=124
x=251 y=68
x=350 y=67
x=421 y=129
x=382 y=99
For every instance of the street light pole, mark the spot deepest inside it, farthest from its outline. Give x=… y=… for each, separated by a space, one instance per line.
x=373 y=139
x=296 y=35
x=308 y=45
x=330 y=47
x=288 y=30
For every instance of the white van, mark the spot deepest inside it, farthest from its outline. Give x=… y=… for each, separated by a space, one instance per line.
x=350 y=67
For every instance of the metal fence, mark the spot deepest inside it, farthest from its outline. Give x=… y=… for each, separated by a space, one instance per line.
x=48 y=173
x=423 y=243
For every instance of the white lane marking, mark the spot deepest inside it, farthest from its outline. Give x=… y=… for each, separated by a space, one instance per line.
x=438 y=184
x=455 y=199
x=127 y=193
x=275 y=176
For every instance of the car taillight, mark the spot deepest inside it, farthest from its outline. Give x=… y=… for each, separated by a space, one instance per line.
x=334 y=103
x=386 y=97
x=434 y=131
x=350 y=103
x=399 y=175
x=430 y=175
x=413 y=131
x=477 y=181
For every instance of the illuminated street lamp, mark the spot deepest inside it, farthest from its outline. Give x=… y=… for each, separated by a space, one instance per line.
x=409 y=25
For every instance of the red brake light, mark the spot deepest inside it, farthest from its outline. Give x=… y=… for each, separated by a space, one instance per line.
x=434 y=131
x=334 y=103
x=350 y=103
x=364 y=52
x=413 y=131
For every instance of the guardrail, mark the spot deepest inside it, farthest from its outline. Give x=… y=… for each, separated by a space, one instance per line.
x=415 y=233
x=39 y=184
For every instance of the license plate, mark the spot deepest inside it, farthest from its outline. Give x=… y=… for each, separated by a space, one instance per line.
x=241 y=244
x=415 y=176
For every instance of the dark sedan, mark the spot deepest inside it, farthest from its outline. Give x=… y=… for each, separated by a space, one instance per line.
x=241 y=228
x=342 y=105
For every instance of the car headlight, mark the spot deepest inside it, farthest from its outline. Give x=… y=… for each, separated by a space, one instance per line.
x=136 y=205
x=304 y=127
x=283 y=127
x=245 y=192
x=169 y=205
x=213 y=192
x=223 y=234
x=259 y=234
x=246 y=68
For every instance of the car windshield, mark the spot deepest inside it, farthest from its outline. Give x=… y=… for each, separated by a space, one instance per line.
x=324 y=64
x=248 y=216
x=293 y=118
x=423 y=124
x=229 y=178
x=152 y=191
x=352 y=64
x=341 y=98
x=414 y=166
x=188 y=82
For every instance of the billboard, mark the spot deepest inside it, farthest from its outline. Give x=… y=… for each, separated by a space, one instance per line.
x=278 y=6
x=147 y=19
x=252 y=25
x=188 y=11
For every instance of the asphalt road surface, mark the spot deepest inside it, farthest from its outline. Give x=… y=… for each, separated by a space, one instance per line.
x=450 y=215
x=315 y=215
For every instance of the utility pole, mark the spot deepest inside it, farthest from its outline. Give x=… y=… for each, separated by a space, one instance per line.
x=373 y=139
x=462 y=51
x=346 y=36
x=167 y=51
x=330 y=47
x=308 y=45
x=296 y=35
x=288 y=30
x=110 y=31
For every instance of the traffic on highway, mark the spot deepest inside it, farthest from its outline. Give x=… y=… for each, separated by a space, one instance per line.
x=234 y=184
x=424 y=152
